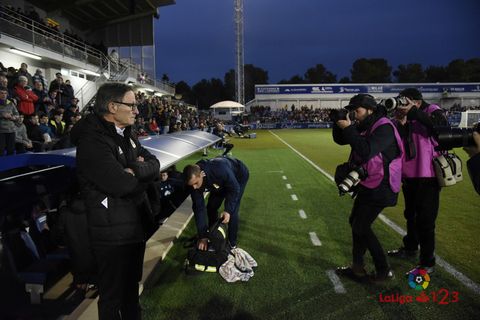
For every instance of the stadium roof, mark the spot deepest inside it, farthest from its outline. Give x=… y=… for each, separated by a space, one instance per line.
x=94 y=13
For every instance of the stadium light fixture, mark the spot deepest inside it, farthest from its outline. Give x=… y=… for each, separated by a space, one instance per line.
x=91 y=73
x=25 y=54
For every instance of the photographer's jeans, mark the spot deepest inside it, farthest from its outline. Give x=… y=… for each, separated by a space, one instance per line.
x=422 y=198
x=361 y=219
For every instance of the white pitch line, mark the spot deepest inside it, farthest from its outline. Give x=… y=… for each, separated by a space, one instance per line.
x=469 y=283
x=313 y=237
x=337 y=284
x=294 y=197
x=284 y=177
x=302 y=214
x=277 y=171
x=289 y=186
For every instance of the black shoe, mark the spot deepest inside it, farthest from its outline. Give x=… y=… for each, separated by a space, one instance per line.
x=402 y=253
x=381 y=277
x=429 y=269
x=352 y=272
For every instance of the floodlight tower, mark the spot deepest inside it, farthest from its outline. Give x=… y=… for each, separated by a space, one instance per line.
x=239 y=77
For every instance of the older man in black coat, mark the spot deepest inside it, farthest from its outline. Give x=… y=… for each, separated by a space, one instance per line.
x=114 y=171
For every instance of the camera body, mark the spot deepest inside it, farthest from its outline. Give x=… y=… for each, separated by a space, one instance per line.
x=352 y=179
x=341 y=114
x=398 y=101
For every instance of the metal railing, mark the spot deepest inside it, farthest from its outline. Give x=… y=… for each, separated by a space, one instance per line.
x=24 y=28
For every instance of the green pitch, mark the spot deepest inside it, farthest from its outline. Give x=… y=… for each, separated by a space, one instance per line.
x=291 y=281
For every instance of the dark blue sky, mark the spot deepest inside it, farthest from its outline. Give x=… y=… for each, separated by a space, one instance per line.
x=195 y=38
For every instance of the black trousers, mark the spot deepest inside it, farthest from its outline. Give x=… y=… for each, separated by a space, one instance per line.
x=215 y=200
x=7 y=141
x=422 y=198
x=119 y=271
x=361 y=219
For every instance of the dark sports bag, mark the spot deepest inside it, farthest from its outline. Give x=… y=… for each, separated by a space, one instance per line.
x=211 y=259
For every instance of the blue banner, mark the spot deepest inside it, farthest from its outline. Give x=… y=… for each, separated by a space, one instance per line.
x=354 y=89
x=291 y=125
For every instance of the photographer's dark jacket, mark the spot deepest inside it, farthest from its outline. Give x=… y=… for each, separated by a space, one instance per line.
x=222 y=175
x=115 y=200
x=419 y=141
x=473 y=165
x=369 y=142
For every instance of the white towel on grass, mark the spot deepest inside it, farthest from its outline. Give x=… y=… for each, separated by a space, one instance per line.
x=238 y=267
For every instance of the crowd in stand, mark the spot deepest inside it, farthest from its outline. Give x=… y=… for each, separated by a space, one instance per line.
x=458 y=107
x=161 y=116
x=31 y=18
x=264 y=114
x=35 y=115
x=293 y=114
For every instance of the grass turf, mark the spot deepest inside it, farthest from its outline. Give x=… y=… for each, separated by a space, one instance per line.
x=291 y=280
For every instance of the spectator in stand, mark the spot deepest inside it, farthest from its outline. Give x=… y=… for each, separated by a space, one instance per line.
x=70 y=111
x=57 y=125
x=4 y=83
x=46 y=130
x=23 y=71
x=12 y=80
x=39 y=140
x=51 y=104
x=67 y=93
x=22 y=142
x=74 y=119
x=3 y=79
x=38 y=76
x=25 y=96
x=43 y=98
x=58 y=86
x=165 y=121
x=114 y=58
x=8 y=116
x=153 y=128
x=139 y=127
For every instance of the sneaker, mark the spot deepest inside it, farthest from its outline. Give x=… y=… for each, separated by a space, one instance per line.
x=402 y=253
x=357 y=273
x=381 y=277
x=429 y=269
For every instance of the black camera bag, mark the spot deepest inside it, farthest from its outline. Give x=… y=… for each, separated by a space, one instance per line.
x=211 y=259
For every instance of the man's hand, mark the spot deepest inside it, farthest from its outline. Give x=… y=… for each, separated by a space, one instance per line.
x=202 y=244
x=226 y=217
x=342 y=124
x=140 y=159
x=403 y=110
x=129 y=171
x=473 y=150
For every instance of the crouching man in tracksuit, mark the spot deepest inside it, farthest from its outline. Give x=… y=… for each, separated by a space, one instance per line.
x=226 y=179
x=377 y=147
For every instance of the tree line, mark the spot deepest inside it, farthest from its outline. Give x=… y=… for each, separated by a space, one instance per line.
x=206 y=92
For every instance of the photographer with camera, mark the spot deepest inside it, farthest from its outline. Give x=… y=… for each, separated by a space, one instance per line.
x=376 y=159
x=473 y=164
x=416 y=121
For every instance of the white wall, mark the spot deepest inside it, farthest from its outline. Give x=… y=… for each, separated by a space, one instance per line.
x=10 y=59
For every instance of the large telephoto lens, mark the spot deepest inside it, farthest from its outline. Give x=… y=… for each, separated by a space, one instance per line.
x=390 y=103
x=449 y=138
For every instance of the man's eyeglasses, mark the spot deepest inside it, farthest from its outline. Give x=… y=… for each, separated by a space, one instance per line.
x=132 y=106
